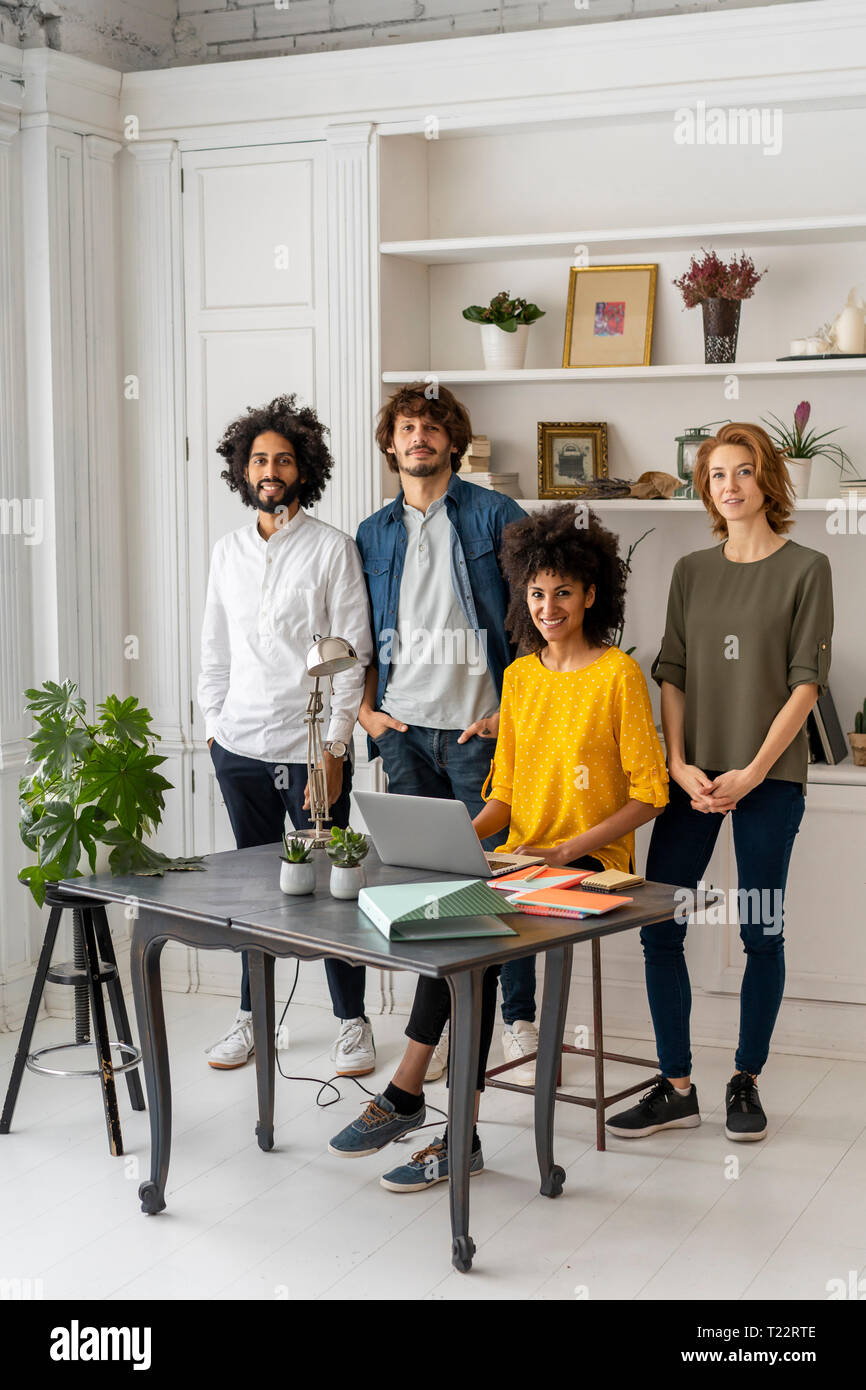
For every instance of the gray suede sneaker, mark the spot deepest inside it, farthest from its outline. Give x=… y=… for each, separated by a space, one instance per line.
x=377 y=1125
x=427 y=1167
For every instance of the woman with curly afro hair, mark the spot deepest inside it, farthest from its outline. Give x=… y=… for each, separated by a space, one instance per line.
x=578 y=764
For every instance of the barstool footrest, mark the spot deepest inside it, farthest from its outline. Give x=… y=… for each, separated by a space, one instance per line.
x=125 y=1049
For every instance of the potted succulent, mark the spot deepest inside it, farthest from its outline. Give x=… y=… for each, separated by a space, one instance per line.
x=297 y=870
x=801 y=447
x=94 y=788
x=719 y=287
x=346 y=851
x=504 y=329
x=857 y=740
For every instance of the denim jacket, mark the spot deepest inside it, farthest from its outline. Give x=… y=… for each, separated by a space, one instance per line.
x=477 y=517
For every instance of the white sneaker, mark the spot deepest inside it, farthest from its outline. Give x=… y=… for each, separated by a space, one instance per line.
x=236 y=1047
x=438 y=1063
x=519 y=1040
x=354 y=1052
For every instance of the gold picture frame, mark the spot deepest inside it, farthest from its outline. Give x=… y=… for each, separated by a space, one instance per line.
x=609 y=316
x=564 y=450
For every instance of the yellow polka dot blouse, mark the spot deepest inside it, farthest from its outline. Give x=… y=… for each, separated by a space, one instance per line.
x=573 y=747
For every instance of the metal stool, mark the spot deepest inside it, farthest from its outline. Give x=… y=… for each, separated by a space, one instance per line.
x=93 y=965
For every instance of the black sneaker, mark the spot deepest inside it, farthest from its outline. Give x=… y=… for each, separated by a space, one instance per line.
x=746 y=1118
x=661 y=1108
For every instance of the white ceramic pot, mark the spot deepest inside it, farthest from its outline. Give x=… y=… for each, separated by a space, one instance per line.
x=347 y=883
x=504 y=351
x=297 y=878
x=799 y=471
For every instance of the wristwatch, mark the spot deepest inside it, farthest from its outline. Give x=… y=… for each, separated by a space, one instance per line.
x=336 y=747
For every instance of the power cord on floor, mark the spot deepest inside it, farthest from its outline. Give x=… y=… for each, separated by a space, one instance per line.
x=329 y=1085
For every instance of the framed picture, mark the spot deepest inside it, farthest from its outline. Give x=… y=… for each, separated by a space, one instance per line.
x=570 y=457
x=609 y=319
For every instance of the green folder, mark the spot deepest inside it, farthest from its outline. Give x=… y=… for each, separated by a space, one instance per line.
x=434 y=911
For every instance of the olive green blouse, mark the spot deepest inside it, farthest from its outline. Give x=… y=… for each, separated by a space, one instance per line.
x=738 y=639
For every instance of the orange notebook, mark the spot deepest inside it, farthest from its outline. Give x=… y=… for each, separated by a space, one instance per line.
x=531 y=879
x=566 y=902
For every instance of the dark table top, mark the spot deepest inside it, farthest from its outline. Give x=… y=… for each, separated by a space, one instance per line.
x=240 y=889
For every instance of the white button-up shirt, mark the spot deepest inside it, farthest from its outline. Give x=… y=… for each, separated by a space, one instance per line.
x=265 y=602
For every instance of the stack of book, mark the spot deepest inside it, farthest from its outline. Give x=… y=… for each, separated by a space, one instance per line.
x=476 y=467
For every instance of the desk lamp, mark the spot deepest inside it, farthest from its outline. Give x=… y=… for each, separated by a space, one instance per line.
x=327 y=657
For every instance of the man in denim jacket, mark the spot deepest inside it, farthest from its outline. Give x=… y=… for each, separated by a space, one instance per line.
x=438 y=601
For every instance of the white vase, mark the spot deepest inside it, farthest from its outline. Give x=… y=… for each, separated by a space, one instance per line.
x=345 y=882
x=296 y=879
x=850 y=329
x=502 y=351
x=799 y=471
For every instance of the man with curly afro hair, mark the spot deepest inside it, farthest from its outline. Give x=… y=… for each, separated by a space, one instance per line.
x=275 y=585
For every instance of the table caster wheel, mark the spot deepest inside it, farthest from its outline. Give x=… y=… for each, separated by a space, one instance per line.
x=462 y=1251
x=552 y=1185
x=265 y=1137
x=152 y=1200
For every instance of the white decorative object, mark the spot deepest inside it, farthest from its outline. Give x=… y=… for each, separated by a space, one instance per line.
x=504 y=351
x=296 y=878
x=345 y=882
x=850 y=327
x=799 y=471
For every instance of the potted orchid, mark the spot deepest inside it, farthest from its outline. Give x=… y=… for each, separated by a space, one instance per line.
x=504 y=329
x=801 y=447
x=719 y=287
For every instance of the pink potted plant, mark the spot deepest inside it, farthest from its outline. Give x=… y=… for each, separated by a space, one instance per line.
x=719 y=287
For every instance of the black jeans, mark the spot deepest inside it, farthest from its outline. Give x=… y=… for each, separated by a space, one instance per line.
x=432 y=1007
x=257 y=796
x=764 y=825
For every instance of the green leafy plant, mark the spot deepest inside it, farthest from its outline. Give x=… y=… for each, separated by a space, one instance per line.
x=799 y=443
x=617 y=639
x=92 y=784
x=297 y=851
x=860 y=720
x=347 y=848
x=506 y=313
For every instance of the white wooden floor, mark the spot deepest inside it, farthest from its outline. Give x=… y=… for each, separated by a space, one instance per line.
x=660 y=1218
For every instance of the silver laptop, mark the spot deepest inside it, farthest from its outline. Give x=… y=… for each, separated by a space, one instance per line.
x=428 y=832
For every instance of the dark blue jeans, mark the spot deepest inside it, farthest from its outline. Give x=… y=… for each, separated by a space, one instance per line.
x=430 y=762
x=764 y=826
x=257 y=801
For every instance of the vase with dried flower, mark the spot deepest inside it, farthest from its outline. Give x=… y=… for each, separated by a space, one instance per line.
x=800 y=447
x=719 y=287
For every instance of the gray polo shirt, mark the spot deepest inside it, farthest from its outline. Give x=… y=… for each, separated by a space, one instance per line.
x=439 y=676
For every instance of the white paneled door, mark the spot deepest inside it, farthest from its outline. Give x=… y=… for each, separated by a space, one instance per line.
x=256 y=310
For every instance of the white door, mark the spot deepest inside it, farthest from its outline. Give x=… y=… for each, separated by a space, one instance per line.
x=256 y=319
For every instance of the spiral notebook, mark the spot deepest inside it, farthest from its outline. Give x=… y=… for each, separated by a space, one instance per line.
x=566 y=902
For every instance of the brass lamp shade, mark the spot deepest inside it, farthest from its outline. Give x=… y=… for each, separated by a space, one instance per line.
x=329 y=655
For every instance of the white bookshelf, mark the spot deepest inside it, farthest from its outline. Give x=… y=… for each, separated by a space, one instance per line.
x=574 y=376
x=622 y=240
x=658 y=504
